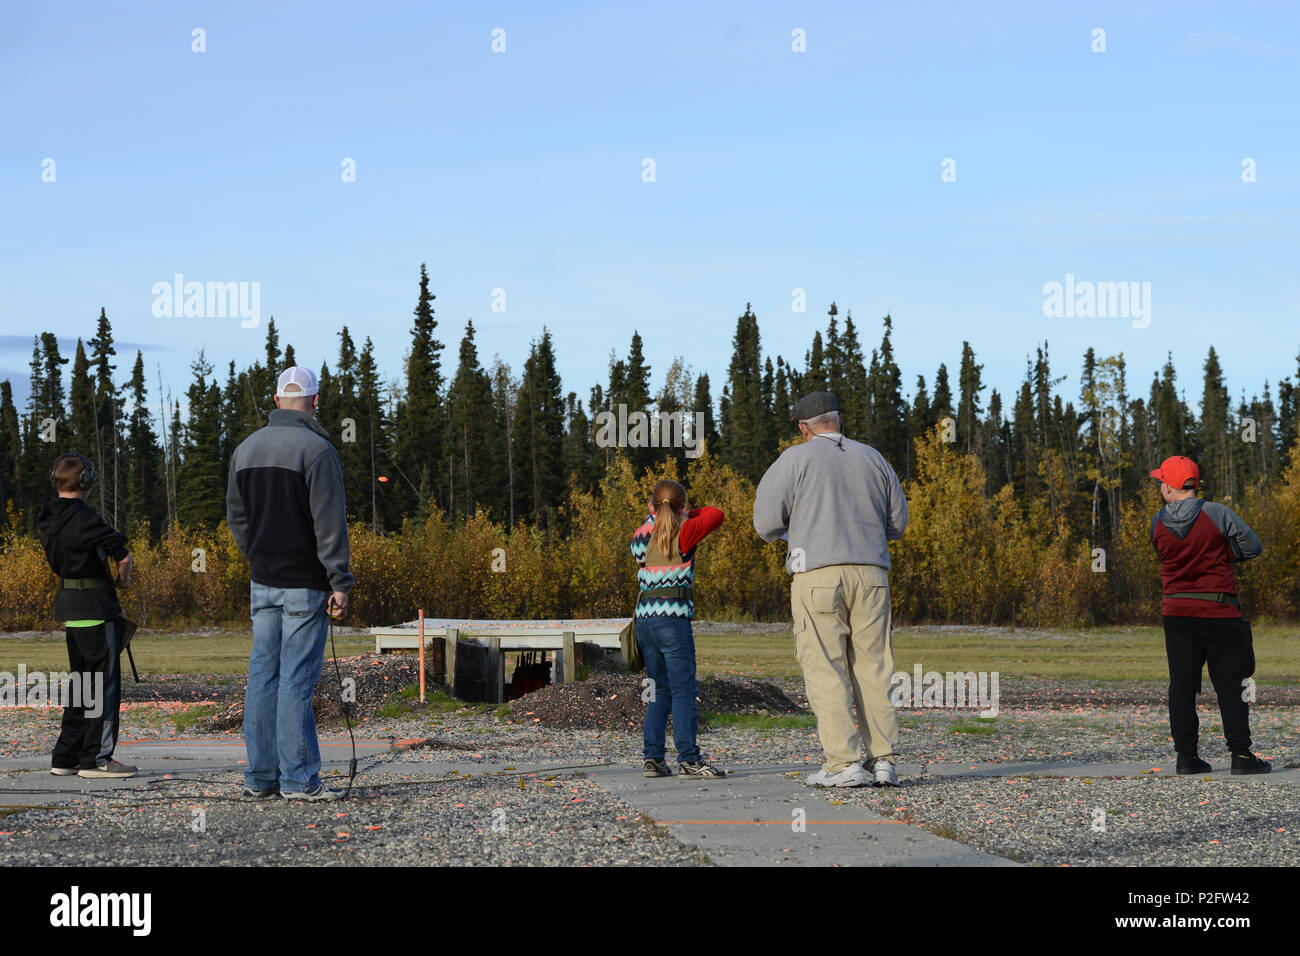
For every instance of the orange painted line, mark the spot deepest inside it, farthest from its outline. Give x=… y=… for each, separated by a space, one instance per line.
x=782 y=822
x=232 y=742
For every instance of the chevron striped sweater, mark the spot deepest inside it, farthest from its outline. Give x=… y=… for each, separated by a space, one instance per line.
x=699 y=523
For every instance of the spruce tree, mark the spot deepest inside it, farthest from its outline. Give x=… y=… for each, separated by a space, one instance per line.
x=888 y=410
x=636 y=395
x=743 y=414
x=144 y=495
x=201 y=489
x=855 y=394
x=539 y=436
x=107 y=415
x=46 y=413
x=969 y=410
x=505 y=398
x=420 y=424
x=919 y=420
x=1217 y=458
x=11 y=449
x=474 y=472
x=81 y=400
x=941 y=404
x=704 y=403
x=372 y=459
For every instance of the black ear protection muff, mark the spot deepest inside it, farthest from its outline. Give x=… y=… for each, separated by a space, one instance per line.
x=85 y=478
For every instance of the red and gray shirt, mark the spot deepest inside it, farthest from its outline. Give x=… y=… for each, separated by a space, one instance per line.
x=698 y=524
x=1197 y=541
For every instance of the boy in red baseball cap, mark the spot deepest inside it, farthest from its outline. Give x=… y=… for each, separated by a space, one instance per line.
x=1197 y=541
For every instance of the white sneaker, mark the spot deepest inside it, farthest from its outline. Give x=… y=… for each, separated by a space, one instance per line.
x=851 y=776
x=882 y=770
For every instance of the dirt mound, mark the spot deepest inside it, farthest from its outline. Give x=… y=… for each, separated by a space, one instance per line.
x=376 y=678
x=613 y=702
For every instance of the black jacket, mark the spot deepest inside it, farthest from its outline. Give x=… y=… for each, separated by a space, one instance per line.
x=285 y=505
x=76 y=542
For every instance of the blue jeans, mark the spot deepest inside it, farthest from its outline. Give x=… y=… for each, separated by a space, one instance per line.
x=289 y=630
x=668 y=647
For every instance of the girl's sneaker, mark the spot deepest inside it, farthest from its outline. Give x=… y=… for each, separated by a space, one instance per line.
x=699 y=769
x=658 y=768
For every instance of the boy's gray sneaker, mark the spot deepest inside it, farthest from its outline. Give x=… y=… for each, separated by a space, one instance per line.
x=851 y=776
x=882 y=772
x=321 y=793
x=658 y=768
x=260 y=794
x=109 y=769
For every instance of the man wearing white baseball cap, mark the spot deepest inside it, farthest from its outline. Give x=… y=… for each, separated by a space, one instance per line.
x=285 y=508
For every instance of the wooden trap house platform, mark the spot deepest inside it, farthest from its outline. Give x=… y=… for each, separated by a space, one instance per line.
x=471 y=654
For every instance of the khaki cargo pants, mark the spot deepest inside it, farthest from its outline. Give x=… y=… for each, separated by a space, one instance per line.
x=844 y=645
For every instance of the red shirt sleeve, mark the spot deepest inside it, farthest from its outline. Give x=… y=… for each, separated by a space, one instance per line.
x=699 y=524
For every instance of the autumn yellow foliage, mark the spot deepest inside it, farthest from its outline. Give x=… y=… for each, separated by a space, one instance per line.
x=967 y=557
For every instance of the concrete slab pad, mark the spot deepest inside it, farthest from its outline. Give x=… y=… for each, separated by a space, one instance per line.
x=749 y=817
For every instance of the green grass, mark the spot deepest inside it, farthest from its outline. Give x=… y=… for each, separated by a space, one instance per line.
x=1097 y=654
x=1110 y=653
x=188 y=718
x=980 y=725
x=758 y=721
x=224 y=652
x=406 y=703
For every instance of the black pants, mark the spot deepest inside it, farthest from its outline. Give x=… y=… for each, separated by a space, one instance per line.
x=1225 y=644
x=85 y=741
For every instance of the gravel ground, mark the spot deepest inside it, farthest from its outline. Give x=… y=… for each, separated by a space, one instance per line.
x=1115 y=821
x=390 y=819
x=1156 y=819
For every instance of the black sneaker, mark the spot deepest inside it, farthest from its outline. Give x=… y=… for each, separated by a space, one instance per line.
x=1190 y=763
x=256 y=794
x=1249 y=763
x=658 y=768
x=699 y=769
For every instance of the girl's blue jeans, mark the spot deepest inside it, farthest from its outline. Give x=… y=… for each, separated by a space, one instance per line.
x=668 y=647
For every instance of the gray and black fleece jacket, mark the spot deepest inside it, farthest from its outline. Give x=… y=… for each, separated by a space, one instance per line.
x=285 y=505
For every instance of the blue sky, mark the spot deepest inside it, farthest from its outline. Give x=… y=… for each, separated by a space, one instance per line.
x=775 y=170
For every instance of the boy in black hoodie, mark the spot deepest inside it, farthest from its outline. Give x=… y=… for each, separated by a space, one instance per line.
x=77 y=542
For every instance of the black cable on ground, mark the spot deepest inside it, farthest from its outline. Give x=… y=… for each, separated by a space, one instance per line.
x=352 y=764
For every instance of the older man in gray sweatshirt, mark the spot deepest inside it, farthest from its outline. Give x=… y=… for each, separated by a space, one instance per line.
x=838 y=504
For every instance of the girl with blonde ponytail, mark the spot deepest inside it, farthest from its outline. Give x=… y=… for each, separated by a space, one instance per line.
x=664 y=550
